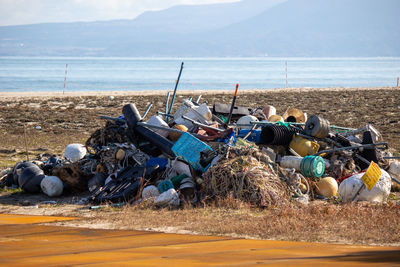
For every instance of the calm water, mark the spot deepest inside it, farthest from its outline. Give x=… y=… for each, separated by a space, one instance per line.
x=84 y=74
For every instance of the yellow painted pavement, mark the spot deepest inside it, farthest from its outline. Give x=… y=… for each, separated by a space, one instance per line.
x=24 y=241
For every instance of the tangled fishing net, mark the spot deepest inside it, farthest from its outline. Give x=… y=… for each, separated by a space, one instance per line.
x=113 y=132
x=247 y=178
x=132 y=156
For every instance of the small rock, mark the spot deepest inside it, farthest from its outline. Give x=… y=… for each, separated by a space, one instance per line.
x=25 y=203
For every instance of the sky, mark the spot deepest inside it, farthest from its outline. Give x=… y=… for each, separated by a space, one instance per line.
x=17 y=12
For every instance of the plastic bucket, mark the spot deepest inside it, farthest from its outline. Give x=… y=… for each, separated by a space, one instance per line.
x=294 y=115
x=204 y=111
x=312 y=166
x=275 y=118
x=269 y=111
x=184 y=108
x=304 y=147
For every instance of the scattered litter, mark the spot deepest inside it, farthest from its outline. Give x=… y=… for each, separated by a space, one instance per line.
x=379 y=193
x=202 y=153
x=52 y=186
x=74 y=152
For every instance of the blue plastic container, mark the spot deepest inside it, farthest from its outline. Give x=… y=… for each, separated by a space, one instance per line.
x=189 y=147
x=254 y=136
x=161 y=162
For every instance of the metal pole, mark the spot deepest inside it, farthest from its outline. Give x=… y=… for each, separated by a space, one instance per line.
x=26 y=144
x=198 y=99
x=176 y=87
x=233 y=105
x=202 y=124
x=358 y=192
x=398 y=78
x=166 y=107
x=147 y=110
x=164 y=114
x=65 y=77
x=286 y=75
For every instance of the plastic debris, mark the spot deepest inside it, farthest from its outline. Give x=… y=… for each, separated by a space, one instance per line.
x=327 y=187
x=202 y=153
x=168 y=198
x=52 y=186
x=150 y=192
x=379 y=193
x=74 y=152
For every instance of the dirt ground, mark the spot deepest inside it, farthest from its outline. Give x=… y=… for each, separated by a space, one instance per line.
x=72 y=118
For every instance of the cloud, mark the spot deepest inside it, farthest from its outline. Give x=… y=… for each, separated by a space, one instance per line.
x=15 y=12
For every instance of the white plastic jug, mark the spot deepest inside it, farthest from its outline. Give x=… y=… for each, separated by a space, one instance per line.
x=291 y=162
x=158 y=121
x=184 y=108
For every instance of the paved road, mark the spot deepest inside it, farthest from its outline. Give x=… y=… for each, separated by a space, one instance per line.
x=26 y=241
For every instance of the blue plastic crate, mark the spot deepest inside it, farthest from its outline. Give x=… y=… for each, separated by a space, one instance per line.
x=254 y=136
x=189 y=147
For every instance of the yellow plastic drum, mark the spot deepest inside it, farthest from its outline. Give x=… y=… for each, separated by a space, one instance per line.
x=275 y=118
x=304 y=147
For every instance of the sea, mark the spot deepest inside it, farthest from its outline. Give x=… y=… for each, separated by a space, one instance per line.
x=52 y=74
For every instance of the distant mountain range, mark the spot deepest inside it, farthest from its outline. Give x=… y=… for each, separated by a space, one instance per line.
x=246 y=28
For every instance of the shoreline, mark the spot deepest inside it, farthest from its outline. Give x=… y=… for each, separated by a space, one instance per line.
x=183 y=92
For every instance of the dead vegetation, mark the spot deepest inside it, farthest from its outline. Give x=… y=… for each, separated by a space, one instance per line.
x=360 y=223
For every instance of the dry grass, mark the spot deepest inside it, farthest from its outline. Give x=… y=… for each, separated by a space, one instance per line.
x=319 y=222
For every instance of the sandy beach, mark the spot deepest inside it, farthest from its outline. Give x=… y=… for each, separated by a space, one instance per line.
x=182 y=92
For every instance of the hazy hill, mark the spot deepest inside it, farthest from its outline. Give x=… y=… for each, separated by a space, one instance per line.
x=319 y=28
x=197 y=18
x=246 y=28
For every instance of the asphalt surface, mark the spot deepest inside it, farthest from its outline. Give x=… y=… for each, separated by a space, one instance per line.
x=34 y=241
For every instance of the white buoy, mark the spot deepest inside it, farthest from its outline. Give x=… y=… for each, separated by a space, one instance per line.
x=150 y=192
x=52 y=186
x=246 y=120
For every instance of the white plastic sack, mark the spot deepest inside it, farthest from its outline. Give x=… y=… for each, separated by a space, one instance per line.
x=52 y=186
x=395 y=169
x=379 y=193
x=75 y=152
x=178 y=168
x=168 y=198
x=150 y=192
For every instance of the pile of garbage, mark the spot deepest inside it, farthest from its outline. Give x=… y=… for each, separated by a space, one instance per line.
x=201 y=153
